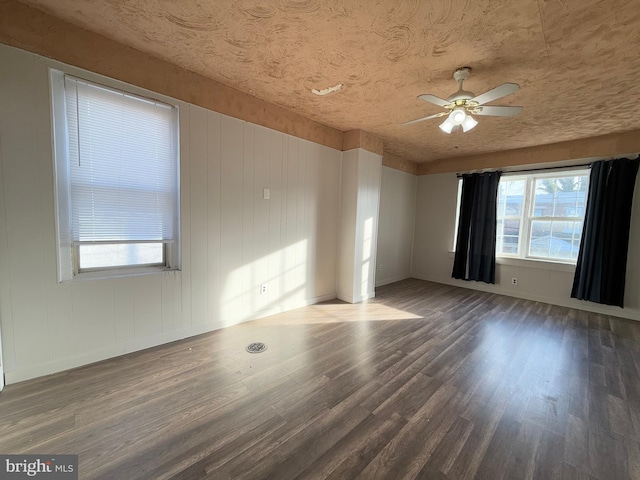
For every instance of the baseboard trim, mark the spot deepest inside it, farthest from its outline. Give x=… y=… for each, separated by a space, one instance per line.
x=356 y=299
x=397 y=278
x=142 y=344
x=292 y=306
x=569 y=303
x=105 y=353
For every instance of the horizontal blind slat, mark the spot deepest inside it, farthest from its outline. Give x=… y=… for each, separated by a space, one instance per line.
x=123 y=170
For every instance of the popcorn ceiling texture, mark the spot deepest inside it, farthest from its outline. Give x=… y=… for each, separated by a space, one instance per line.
x=578 y=63
x=360 y=138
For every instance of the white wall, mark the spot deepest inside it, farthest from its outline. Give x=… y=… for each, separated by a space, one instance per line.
x=369 y=168
x=233 y=239
x=540 y=281
x=347 y=235
x=359 y=209
x=395 y=227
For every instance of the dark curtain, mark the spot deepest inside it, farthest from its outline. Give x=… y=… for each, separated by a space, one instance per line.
x=475 y=257
x=602 y=261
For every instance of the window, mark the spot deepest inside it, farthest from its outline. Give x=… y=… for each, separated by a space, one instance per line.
x=116 y=159
x=540 y=216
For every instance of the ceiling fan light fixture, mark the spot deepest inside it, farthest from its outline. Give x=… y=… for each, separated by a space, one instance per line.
x=458 y=115
x=447 y=125
x=469 y=123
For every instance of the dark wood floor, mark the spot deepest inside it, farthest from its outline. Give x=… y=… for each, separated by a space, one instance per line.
x=425 y=382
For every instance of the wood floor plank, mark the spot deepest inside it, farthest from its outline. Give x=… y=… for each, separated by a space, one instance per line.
x=425 y=381
x=549 y=457
x=447 y=451
x=300 y=451
x=495 y=460
x=367 y=449
x=524 y=454
x=399 y=455
x=607 y=456
x=365 y=439
x=576 y=443
x=633 y=456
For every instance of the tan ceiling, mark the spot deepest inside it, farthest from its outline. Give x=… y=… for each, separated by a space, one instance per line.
x=578 y=62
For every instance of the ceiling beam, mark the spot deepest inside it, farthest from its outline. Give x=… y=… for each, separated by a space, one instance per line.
x=611 y=145
x=362 y=139
x=399 y=163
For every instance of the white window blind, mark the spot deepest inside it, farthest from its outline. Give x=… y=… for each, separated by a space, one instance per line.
x=123 y=169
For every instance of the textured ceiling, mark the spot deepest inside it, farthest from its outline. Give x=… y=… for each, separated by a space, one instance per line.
x=578 y=63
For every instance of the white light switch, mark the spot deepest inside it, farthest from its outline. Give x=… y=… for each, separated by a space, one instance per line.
x=266 y=194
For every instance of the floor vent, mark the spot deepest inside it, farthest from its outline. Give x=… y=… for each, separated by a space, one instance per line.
x=256 y=347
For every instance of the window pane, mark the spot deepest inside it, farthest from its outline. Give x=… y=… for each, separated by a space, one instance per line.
x=555 y=239
x=510 y=197
x=508 y=235
x=118 y=255
x=543 y=214
x=560 y=196
x=510 y=204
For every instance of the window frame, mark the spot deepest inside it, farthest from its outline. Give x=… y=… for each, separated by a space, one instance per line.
x=513 y=217
x=68 y=251
x=527 y=218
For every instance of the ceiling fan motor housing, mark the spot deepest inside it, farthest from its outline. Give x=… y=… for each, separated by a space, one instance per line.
x=461 y=74
x=460 y=95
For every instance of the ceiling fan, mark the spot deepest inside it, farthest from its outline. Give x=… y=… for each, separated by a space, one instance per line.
x=462 y=104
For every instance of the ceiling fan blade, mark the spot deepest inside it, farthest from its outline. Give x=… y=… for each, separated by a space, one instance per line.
x=497 y=111
x=495 y=93
x=427 y=97
x=441 y=114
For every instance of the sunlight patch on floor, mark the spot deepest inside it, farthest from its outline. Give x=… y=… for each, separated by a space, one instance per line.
x=337 y=313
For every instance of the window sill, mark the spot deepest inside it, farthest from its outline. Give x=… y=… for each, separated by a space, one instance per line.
x=536 y=263
x=533 y=263
x=120 y=273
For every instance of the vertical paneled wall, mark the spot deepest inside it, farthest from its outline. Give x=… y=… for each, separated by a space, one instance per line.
x=369 y=168
x=233 y=239
x=360 y=201
x=347 y=237
x=395 y=230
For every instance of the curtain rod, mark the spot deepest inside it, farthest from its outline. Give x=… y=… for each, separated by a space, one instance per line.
x=459 y=175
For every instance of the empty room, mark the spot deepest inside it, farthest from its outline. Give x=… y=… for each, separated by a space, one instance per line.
x=319 y=239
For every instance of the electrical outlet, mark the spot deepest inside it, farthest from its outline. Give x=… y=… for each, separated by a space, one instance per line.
x=514 y=281
x=263 y=289
x=380 y=267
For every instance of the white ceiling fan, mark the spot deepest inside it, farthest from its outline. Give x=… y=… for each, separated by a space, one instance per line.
x=462 y=104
